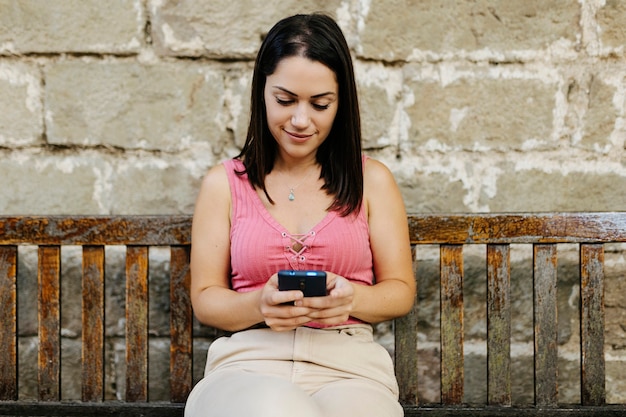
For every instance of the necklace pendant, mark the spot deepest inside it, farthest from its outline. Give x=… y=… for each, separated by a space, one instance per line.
x=291 y=195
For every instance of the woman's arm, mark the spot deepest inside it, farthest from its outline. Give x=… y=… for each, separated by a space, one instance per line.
x=214 y=303
x=394 y=291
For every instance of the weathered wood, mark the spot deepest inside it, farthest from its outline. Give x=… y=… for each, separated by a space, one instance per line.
x=546 y=329
x=8 y=323
x=405 y=352
x=85 y=409
x=181 y=322
x=137 y=324
x=93 y=324
x=592 y=324
x=158 y=409
x=543 y=230
x=96 y=230
x=517 y=228
x=499 y=411
x=49 y=280
x=498 y=325
x=452 y=362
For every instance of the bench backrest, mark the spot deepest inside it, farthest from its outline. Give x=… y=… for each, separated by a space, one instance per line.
x=138 y=234
x=452 y=232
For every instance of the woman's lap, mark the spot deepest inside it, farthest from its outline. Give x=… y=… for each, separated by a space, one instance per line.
x=235 y=393
x=308 y=372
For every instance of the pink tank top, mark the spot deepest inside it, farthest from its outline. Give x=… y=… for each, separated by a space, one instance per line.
x=260 y=246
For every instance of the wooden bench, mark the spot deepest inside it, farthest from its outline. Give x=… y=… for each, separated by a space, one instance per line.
x=453 y=233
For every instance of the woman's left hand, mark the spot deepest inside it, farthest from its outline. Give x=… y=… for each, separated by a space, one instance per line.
x=335 y=308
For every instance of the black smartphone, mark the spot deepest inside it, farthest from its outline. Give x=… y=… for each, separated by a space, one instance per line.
x=311 y=283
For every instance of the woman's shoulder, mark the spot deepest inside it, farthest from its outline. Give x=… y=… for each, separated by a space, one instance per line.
x=221 y=171
x=375 y=173
x=216 y=179
x=380 y=189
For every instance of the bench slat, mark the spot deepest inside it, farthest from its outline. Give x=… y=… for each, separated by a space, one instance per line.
x=97 y=409
x=136 y=323
x=405 y=351
x=96 y=230
x=498 y=325
x=8 y=314
x=49 y=274
x=545 y=323
x=517 y=228
x=181 y=325
x=494 y=411
x=93 y=324
x=452 y=372
x=592 y=324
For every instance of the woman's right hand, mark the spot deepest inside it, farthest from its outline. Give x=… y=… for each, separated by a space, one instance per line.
x=278 y=307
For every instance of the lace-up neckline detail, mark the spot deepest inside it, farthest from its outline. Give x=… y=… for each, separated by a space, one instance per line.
x=296 y=247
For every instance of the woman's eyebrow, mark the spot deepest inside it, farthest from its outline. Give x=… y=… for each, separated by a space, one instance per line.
x=284 y=90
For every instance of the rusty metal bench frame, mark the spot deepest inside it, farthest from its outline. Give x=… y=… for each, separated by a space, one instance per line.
x=452 y=232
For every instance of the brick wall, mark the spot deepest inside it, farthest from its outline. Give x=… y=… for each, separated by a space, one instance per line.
x=121 y=106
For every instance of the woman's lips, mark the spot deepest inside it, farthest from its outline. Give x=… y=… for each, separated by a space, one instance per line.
x=298 y=136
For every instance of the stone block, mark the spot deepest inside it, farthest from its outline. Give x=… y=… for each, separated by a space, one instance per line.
x=90 y=182
x=615 y=383
x=480 y=112
x=600 y=118
x=71 y=293
x=71 y=369
x=200 y=351
x=410 y=29
x=82 y=26
x=615 y=327
x=611 y=17
x=430 y=192
x=380 y=95
x=153 y=186
x=27 y=323
x=159 y=369
x=221 y=28
x=536 y=189
x=128 y=105
x=27 y=351
x=21 y=118
x=568 y=378
x=40 y=183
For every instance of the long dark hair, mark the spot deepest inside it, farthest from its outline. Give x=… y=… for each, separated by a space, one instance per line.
x=318 y=38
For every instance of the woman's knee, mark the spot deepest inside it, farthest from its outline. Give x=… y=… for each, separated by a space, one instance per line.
x=357 y=398
x=236 y=394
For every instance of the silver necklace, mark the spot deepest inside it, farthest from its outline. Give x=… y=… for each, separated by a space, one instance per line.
x=292 y=196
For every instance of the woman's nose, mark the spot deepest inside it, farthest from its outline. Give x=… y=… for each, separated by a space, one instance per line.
x=300 y=117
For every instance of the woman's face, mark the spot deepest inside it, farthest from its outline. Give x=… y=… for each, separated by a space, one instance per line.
x=301 y=99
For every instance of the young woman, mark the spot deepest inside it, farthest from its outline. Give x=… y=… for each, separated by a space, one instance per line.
x=300 y=196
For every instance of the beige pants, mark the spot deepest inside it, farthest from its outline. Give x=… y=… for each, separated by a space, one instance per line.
x=305 y=372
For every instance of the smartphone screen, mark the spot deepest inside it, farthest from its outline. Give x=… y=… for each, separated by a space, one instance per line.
x=311 y=283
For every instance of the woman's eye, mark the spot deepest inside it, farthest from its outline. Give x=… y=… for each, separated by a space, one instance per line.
x=321 y=106
x=283 y=102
